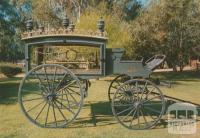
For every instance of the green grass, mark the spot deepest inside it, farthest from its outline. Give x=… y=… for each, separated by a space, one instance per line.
x=14 y=124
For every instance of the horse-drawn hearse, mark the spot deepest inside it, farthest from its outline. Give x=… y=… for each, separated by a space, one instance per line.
x=59 y=64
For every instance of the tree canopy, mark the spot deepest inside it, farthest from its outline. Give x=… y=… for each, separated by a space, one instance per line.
x=10 y=49
x=169 y=27
x=164 y=26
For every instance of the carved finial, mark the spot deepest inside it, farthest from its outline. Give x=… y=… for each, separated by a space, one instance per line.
x=71 y=26
x=101 y=25
x=65 y=22
x=29 y=24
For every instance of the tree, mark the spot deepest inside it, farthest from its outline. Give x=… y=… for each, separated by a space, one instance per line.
x=169 y=27
x=116 y=28
x=9 y=20
x=92 y=10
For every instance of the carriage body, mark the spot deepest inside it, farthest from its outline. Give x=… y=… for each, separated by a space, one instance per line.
x=110 y=60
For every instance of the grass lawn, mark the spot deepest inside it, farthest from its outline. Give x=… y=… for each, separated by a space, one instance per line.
x=14 y=124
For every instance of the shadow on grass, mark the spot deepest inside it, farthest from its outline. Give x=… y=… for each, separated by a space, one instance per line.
x=9 y=90
x=100 y=112
x=101 y=115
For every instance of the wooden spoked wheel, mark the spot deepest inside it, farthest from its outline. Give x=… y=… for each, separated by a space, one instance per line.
x=138 y=104
x=115 y=84
x=50 y=96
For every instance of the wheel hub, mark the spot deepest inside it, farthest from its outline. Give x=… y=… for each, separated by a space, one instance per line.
x=51 y=97
x=137 y=104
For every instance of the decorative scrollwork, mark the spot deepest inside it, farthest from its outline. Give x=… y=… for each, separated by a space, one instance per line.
x=61 y=31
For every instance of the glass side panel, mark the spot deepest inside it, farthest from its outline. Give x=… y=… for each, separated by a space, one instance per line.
x=79 y=59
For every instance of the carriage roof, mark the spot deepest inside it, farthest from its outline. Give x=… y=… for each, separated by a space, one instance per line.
x=61 y=37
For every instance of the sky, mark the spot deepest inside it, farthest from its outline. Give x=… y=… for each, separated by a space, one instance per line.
x=144 y=2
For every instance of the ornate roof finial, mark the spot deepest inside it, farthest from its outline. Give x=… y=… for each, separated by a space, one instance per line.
x=65 y=21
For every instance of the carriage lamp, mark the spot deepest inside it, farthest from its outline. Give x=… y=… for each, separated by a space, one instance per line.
x=65 y=22
x=101 y=25
x=29 y=25
x=71 y=26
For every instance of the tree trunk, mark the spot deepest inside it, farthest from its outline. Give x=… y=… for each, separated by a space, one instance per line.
x=174 y=67
x=181 y=61
x=181 y=48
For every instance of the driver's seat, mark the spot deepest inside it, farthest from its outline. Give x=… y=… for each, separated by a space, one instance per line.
x=155 y=61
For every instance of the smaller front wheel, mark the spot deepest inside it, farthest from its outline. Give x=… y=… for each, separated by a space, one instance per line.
x=115 y=84
x=138 y=104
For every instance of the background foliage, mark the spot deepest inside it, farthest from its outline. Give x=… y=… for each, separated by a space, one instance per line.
x=163 y=26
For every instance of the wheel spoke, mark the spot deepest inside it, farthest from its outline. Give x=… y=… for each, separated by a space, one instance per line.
x=73 y=86
x=118 y=83
x=123 y=93
x=114 y=85
x=138 y=116
x=150 y=92
x=128 y=114
x=45 y=72
x=137 y=91
x=54 y=78
x=47 y=115
x=75 y=101
x=150 y=116
x=143 y=90
x=61 y=82
x=143 y=116
x=60 y=112
x=150 y=99
x=72 y=103
x=66 y=95
x=66 y=107
x=40 y=111
x=69 y=85
x=145 y=86
x=33 y=99
x=62 y=98
x=37 y=76
x=124 y=110
x=72 y=91
x=68 y=89
x=35 y=106
x=54 y=113
x=133 y=117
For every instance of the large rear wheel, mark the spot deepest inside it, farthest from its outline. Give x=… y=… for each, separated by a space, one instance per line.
x=50 y=96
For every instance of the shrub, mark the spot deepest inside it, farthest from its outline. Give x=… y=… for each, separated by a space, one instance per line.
x=10 y=70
